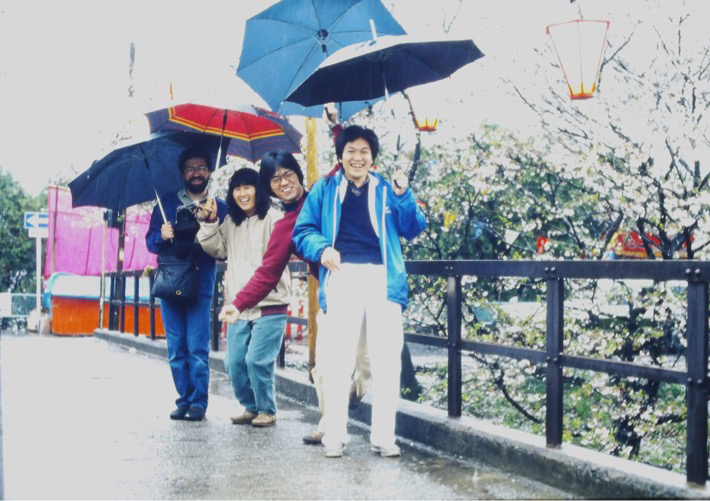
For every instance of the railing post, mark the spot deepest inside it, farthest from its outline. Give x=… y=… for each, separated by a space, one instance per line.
x=151 y=305
x=112 y=311
x=122 y=299
x=555 y=316
x=214 y=325
x=453 y=313
x=136 y=278
x=281 y=358
x=697 y=391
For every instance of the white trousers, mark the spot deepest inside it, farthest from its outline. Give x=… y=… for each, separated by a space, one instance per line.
x=355 y=293
x=360 y=378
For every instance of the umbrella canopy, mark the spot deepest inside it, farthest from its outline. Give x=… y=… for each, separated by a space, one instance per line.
x=135 y=172
x=246 y=131
x=379 y=67
x=285 y=43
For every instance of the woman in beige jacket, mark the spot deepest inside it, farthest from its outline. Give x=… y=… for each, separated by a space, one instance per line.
x=253 y=342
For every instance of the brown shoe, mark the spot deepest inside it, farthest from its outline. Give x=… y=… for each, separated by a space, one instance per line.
x=245 y=418
x=314 y=438
x=264 y=420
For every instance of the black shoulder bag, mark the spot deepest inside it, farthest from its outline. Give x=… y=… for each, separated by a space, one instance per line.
x=178 y=275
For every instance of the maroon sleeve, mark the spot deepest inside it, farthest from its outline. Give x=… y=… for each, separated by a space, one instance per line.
x=336 y=130
x=275 y=260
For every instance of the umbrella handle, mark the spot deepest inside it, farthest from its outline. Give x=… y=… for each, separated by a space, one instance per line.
x=160 y=205
x=221 y=138
x=374 y=31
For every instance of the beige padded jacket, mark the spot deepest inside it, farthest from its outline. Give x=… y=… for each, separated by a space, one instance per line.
x=243 y=247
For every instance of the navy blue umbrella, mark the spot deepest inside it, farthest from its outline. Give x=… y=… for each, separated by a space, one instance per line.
x=139 y=171
x=285 y=43
x=390 y=64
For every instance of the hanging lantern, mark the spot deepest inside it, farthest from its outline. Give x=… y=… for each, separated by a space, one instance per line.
x=579 y=45
x=428 y=124
x=427 y=104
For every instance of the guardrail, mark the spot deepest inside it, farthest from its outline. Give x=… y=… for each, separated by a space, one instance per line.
x=694 y=378
x=117 y=303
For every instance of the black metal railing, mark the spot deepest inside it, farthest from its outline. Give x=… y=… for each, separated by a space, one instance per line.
x=117 y=303
x=695 y=378
x=554 y=273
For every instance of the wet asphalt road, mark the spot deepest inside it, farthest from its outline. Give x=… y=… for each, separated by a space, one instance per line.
x=84 y=419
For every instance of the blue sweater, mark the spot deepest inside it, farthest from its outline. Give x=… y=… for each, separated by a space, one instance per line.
x=155 y=243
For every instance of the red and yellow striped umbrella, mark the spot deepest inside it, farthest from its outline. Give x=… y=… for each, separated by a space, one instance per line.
x=247 y=131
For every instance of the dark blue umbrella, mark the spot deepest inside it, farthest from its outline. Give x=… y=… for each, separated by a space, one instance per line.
x=285 y=43
x=376 y=68
x=139 y=171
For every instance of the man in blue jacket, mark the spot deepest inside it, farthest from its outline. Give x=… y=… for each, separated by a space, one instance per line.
x=352 y=223
x=187 y=326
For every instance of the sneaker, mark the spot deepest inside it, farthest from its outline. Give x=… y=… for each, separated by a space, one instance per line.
x=180 y=412
x=195 y=413
x=335 y=451
x=390 y=451
x=263 y=420
x=314 y=438
x=245 y=418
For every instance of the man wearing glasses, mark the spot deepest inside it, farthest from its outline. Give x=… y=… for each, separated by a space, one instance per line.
x=187 y=326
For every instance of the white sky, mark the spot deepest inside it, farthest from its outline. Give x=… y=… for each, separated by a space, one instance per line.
x=64 y=66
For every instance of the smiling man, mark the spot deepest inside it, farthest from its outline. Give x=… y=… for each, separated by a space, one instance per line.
x=187 y=326
x=352 y=223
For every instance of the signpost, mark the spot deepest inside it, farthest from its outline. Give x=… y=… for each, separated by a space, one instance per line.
x=37 y=224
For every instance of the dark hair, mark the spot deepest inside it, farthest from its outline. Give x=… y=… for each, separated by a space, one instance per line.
x=246 y=176
x=271 y=162
x=190 y=153
x=350 y=134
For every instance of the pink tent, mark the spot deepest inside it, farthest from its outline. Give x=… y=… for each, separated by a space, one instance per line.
x=76 y=237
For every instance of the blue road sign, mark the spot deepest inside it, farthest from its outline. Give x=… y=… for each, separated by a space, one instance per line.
x=36 y=220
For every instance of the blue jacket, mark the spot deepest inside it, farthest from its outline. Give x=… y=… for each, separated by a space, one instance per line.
x=156 y=244
x=392 y=216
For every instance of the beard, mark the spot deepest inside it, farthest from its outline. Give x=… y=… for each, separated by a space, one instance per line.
x=196 y=185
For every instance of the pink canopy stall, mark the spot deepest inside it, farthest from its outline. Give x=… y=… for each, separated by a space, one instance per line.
x=76 y=238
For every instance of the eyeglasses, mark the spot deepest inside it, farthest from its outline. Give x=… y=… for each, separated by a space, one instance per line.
x=289 y=175
x=200 y=168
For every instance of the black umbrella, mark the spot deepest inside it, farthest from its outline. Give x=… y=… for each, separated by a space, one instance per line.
x=140 y=171
x=380 y=67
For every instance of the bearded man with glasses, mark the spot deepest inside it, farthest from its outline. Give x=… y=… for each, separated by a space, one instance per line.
x=187 y=326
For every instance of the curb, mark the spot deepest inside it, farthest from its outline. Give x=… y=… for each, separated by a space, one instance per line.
x=570 y=468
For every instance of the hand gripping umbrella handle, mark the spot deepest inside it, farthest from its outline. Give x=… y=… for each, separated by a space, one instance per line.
x=160 y=206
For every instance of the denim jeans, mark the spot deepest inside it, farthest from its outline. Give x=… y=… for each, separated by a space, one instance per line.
x=252 y=348
x=187 y=332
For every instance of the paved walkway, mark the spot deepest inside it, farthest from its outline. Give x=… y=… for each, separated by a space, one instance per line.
x=83 y=418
